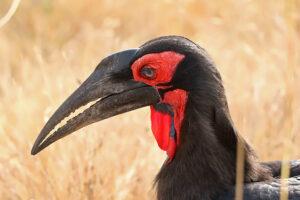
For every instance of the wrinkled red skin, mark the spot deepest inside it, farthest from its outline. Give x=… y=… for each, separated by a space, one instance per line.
x=165 y=64
x=161 y=122
x=177 y=99
x=161 y=126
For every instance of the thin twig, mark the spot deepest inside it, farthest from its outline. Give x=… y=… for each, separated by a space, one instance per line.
x=10 y=13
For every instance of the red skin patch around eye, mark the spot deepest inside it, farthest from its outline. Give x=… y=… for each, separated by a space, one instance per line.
x=165 y=64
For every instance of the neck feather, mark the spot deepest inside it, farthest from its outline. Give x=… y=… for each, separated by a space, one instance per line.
x=205 y=160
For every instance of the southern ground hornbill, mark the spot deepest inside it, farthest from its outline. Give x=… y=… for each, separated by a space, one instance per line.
x=189 y=117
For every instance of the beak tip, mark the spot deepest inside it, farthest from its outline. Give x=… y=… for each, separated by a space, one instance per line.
x=35 y=149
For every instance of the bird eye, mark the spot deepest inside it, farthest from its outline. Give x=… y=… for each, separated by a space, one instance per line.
x=148 y=73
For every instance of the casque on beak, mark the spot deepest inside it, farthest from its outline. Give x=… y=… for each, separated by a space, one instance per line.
x=113 y=84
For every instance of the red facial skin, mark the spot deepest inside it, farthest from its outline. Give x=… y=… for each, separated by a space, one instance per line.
x=161 y=122
x=164 y=64
x=161 y=126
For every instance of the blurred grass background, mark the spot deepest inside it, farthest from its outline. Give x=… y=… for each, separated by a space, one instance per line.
x=50 y=46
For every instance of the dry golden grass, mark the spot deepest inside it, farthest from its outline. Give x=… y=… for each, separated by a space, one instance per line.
x=49 y=47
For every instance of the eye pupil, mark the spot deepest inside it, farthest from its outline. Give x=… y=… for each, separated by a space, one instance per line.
x=147 y=72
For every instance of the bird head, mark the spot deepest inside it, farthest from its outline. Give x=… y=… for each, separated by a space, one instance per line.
x=163 y=74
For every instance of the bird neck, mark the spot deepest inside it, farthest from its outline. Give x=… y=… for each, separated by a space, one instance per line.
x=205 y=160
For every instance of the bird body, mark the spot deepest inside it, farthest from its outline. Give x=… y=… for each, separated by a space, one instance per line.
x=190 y=120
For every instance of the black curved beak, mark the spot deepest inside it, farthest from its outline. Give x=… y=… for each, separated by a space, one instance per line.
x=113 y=84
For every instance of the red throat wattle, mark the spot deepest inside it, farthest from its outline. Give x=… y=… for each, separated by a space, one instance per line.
x=166 y=134
x=161 y=122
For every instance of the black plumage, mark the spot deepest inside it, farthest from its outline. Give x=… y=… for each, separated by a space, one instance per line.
x=269 y=189
x=205 y=162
